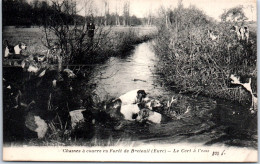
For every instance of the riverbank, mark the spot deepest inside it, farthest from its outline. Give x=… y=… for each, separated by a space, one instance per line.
x=207 y=121
x=39 y=89
x=108 y=41
x=191 y=62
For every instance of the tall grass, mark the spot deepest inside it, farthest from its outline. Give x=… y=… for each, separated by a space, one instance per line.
x=193 y=63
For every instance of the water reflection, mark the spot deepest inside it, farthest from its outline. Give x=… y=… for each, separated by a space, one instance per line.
x=124 y=74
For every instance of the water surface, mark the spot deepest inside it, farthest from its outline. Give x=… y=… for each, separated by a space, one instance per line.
x=208 y=122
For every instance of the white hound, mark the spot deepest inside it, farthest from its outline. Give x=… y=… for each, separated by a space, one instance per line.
x=246 y=86
x=14 y=50
x=242 y=32
x=133 y=97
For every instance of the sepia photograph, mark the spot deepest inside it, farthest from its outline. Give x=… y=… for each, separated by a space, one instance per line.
x=129 y=80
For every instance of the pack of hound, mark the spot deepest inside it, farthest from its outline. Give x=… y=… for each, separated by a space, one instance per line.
x=241 y=32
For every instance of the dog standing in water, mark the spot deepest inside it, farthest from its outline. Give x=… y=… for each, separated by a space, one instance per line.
x=129 y=103
x=151 y=116
x=133 y=101
x=151 y=104
x=122 y=112
x=133 y=97
x=125 y=108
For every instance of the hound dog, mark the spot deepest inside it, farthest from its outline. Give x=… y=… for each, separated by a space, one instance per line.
x=125 y=108
x=36 y=124
x=247 y=33
x=151 y=116
x=14 y=50
x=122 y=112
x=40 y=58
x=151 y=104
x=236 y=30
x=130 y=111
x=213 y=35
x=69 y=73
x=133 y=97
x=242 y=32
x=53 y=53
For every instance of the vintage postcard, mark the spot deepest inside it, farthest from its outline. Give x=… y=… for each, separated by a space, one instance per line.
x=130 y=80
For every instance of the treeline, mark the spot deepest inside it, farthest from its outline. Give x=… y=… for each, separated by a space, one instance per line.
x=21 y=13
x=35 y=13
x=113 y=19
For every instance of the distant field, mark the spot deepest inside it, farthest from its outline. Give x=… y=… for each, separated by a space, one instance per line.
x=33 y=36
x=140 y=30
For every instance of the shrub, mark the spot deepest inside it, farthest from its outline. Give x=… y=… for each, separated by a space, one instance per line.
x=192 y=62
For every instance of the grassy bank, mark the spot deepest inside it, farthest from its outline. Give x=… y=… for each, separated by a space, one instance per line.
x=193 y=63
x=27 y=95
x=107 y=41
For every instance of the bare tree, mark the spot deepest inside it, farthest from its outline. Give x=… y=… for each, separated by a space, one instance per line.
x=89 y=8
x=234 y=14
x=149 y=19
x=117 y=13
x=164 y=12
x=126 y=13
x=67 y=29
x=106 y=3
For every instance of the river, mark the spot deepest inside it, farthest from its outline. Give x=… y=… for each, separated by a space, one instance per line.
x=200 y=120
x=207 y=122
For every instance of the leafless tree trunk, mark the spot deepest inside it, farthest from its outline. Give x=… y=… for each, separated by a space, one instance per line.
x=106 y=12
x=117 y=15
x=126 y=13
x=165 y=15
x=65 y=28
x=149 y=17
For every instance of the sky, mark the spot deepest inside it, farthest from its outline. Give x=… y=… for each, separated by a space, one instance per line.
x=141 y=8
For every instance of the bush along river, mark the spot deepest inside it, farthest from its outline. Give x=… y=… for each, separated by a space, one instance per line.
x=194 y=119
